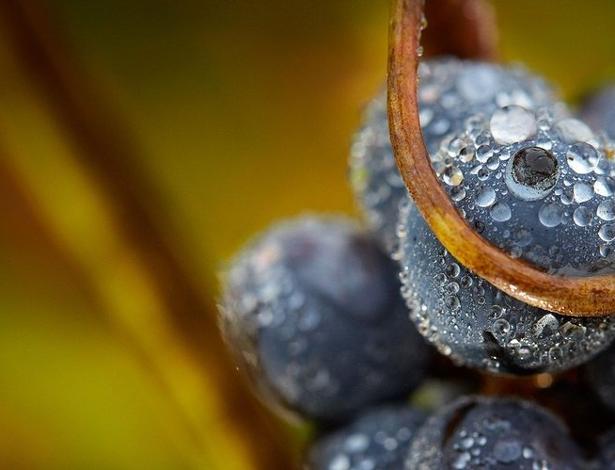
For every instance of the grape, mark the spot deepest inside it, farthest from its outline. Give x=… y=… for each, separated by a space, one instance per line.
x=451 y=91
x=601 y=377
x=378 y=439
x=477 y=325
x=312 y=309
x=538 y=185
x=536 y=189
x=606 y=457
x=495 y=433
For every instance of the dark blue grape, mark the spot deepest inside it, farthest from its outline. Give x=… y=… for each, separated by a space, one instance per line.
x=451 y=91
x=606 y=454
x=599 y=111
x=477 y=325
x=600 y=375
x=378 y=439
x=538 y=187
x=313 y=310
x=496 y=434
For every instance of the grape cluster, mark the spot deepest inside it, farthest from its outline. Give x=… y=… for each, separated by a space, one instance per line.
x=333 y=323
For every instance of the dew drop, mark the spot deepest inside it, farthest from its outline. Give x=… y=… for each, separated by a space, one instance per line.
x=486 y=197
x=532 y=173
x=462 y=461
x=496 y=312
x=550 y=215
x=500 y=212
x=582 y=192
x=452 y=176
x=341 y=462
x=466 y=154
x=458 y=193
x=606 y=210
x=466 y=281
x=582 y=216
x=452 y=302
x=573 y=331
x=425 y=116
x=580 y=157
x=603 y=186
x=545 y=326
x=523 y=237
x=440 y=126
x=482 y=173
x=501 y=328
x=493 y=163
x=512 y=124
x=483 y=153
x=357 y=443
x=453 y=270
x=572 y=130
x=507 y=450
x=607 y=232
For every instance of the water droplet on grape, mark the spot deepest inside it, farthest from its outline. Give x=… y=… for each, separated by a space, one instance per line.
x=532 y=173
x=452 y=176
x=582 y=216
x=550 y=215
x=607 y=232
x=512 y=124
x=603 y=186
x=582 y=192
x=486 y=197
x=606 y=210
x=580 y=157
x=572 y=130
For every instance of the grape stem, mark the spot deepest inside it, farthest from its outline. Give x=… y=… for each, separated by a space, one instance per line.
x=572 y=296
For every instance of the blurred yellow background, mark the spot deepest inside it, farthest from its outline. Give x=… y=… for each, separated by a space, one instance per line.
x=241 y=112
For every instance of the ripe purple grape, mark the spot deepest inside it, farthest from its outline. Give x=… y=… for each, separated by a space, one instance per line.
x=536 y=186
x=496 y=433
x=313 y=311
x=451 y=91
x=378 y=439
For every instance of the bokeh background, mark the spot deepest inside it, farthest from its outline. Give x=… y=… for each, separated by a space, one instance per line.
x=214 y=118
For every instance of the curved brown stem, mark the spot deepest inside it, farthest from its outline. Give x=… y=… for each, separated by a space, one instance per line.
x=574 y=296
